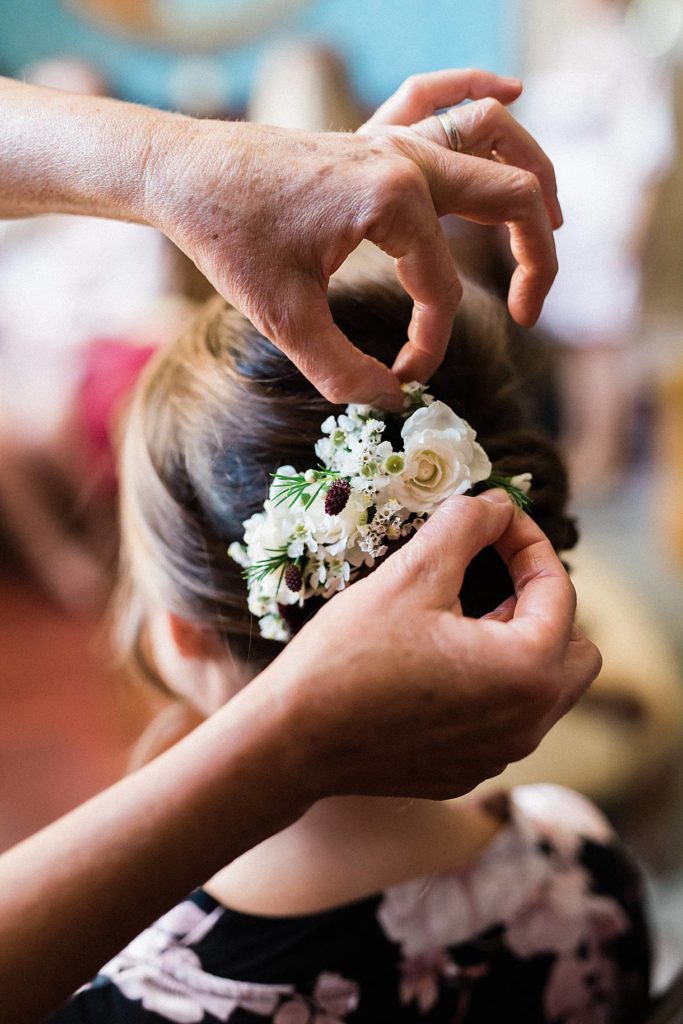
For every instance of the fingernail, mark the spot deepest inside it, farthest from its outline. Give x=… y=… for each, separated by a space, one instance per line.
x=497 y=612
x=497 y=496
x=516 y=82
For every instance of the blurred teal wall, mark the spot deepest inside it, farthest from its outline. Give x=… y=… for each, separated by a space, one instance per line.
x=383 y=41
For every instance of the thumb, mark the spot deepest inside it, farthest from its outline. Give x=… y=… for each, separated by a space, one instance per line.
x=436 y=558
x=305 y=331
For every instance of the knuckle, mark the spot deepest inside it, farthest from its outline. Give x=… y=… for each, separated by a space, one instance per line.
x=416 y=560
x=535 y=669
x=528 y=186
x=335 y=393
x=591 y=661
x=278 y=323
x=413 y=88
x=405 y=182
x=540 y=171
x=413 y=558
x=524 y=743
x=497 y=768
x=335 y=390
x=398 y=189
x=491 y=108
x=451 y=291
x=595 y=663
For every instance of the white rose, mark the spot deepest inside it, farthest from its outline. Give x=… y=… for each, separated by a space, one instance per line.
x=442 y=457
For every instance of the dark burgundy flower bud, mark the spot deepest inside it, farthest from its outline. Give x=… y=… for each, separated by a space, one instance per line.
x=337 y=497
x=293 y=578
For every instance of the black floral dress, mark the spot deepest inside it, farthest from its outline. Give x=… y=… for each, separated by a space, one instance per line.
x=546 y=926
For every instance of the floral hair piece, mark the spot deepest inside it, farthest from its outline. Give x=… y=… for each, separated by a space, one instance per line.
x=319 y=528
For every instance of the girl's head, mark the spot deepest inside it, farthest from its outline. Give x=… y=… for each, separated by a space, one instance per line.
x=217 y=412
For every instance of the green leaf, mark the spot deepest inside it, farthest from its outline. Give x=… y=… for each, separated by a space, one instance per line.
x=520 y=497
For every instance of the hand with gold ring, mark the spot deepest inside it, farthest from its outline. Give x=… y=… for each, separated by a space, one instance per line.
x=268 y=214
x=483 y=128
x=500 y=176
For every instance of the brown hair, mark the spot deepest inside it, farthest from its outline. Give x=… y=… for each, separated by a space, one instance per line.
x=218 y=411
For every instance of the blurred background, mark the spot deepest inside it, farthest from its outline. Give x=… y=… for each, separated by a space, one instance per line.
x=83 y=303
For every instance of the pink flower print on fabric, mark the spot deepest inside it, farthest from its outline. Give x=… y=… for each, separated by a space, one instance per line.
x=562 y=816
x=421 y=977
x=159 y=970
x=529 y=881
x=447 y=910
x=567 y=917
x=564 y=915
x=582 y=990
x=174 y=986
x=333 y=999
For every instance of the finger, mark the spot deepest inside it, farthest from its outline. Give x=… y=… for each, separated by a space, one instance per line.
x=533 y=249
x=505 y=611
x=546 y=599
x=491 y=193
x=487 y=129
x=581 y=668
x=420 y=95
x=306 y=332
x=434 y=561
x=426 y=270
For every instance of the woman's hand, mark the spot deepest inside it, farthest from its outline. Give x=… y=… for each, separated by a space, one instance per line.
x=268 y=215
x=487 y=128
x=388 y=690
x=392 y=690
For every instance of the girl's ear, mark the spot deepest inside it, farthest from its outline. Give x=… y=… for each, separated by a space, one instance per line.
x=193 y=641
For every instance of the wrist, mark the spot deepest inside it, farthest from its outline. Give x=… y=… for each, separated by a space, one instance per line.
x=65 y=153
x=311 y=730
x=248 y=763
x=188 y=168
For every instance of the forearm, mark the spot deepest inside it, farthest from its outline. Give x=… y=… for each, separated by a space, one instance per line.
x=65 y=153
x=74 y=894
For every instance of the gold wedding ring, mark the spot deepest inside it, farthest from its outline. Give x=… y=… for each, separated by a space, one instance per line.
x=451 y=129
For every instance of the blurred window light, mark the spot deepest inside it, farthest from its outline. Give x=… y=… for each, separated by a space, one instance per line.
x=656 y=25
x=198 y=85
x=208 y=23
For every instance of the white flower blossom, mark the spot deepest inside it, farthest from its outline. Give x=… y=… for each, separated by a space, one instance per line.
x=522 y=482
x=442 y=457
x=389 y=494
x=273 y=627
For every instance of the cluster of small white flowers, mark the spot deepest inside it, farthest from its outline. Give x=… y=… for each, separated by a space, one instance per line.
x=319 y=528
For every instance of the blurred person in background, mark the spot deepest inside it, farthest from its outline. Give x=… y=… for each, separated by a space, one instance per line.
x=603 y=111
x=82 y=305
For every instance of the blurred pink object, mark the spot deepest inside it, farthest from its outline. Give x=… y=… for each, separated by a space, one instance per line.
x=111 y=366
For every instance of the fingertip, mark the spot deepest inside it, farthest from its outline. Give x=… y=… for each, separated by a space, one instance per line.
x=556 y=215
x=523 y=302
x=368 y=382
x=515 y=85
x=411 y=365
x=389 y=401
x=496 y=496
x=505 y=611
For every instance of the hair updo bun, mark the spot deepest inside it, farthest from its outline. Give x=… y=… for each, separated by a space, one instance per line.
x=215 y=413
